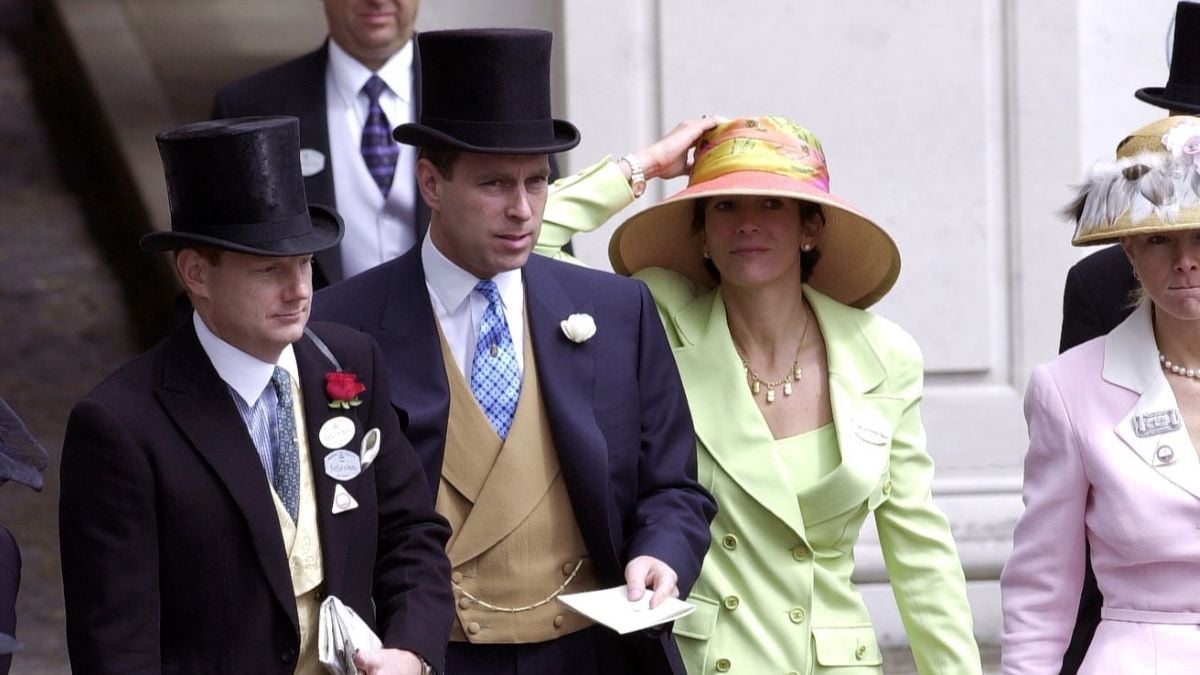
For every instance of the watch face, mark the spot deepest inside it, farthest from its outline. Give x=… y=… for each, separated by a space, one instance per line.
x=638 y=186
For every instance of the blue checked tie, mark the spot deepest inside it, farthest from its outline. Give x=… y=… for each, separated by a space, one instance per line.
x=495 y=380
x=287 y=453
x=379 y=151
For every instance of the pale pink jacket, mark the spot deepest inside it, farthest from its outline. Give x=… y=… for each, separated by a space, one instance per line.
x=1110 y=462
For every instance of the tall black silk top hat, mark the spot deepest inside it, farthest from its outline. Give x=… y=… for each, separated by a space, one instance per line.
x=1182 y=92
x=487 y=91
x=236 y=185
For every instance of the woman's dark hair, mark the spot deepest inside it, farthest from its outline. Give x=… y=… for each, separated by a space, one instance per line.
x=808 y=212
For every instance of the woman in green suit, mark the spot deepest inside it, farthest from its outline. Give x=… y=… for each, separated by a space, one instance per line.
x=805 y=405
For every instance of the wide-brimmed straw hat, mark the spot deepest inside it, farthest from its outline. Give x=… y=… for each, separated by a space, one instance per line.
x=1153 y=186
x=769 y=156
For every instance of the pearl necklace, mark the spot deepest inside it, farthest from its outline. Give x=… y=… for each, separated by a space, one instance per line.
x=1177 y=369
x=793 y=375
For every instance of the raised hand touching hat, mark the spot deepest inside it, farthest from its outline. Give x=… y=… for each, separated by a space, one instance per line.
x=762 y=156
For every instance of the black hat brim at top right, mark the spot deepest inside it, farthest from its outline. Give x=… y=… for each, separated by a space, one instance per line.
x=1182 y=91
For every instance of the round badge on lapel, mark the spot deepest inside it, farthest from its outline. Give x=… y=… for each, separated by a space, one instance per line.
x=336 y=432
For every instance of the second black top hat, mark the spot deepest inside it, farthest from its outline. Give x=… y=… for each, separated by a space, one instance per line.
x=1182 y=92
x=236 y=184
x=487 y=91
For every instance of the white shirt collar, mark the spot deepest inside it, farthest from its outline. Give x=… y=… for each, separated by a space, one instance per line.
x=245 y=374
x=453 y=285
x=349 y=75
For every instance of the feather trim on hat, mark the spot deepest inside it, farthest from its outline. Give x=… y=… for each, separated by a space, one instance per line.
x=1118 y=198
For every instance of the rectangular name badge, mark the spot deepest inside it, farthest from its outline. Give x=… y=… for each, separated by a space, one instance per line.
x=1155 y=423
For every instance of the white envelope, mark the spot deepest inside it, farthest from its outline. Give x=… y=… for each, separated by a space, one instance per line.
x=340 y=635
x=611 y=607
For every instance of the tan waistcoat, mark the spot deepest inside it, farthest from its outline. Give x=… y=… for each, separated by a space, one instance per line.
x=302 y=542
x=515 y=541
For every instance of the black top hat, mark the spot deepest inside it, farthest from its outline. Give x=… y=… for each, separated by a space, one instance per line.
x=487 y=91
x=236 y=185
x=1182 y=92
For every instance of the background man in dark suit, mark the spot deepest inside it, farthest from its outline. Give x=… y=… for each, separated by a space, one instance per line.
x=22 y=459
x=217 y=487
x=347 y=162
x=541 y=396
x=1099 y=288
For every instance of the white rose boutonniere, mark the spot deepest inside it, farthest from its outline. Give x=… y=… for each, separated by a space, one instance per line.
x=578 y=328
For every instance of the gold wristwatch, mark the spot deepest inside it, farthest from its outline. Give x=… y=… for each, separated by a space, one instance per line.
x=637 y=176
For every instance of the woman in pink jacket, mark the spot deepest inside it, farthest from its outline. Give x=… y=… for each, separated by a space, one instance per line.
x=1113 y=429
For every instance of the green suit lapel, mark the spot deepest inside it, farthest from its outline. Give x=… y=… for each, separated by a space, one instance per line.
x=863 y=417
x=730 y=427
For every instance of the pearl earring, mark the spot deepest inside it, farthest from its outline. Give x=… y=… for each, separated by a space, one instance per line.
x=806 y=247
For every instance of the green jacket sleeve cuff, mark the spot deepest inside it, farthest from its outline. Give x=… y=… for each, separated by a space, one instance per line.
x=581 y=203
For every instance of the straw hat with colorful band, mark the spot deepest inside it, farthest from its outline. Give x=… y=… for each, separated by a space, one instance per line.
x=769 y=156
x=1153 y=186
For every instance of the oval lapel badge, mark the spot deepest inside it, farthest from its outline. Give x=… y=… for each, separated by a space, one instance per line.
x=312 y=162
x=336 y=432
x=342 y=465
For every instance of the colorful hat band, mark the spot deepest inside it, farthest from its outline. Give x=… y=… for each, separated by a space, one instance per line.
x=766 y=145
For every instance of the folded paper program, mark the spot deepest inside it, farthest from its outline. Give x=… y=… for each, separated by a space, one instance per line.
x=341 y=634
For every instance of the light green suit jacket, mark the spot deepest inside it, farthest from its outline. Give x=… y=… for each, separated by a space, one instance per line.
x=775 y=595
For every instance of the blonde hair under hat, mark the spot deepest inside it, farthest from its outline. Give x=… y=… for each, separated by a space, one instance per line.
x=1153 y=186
x=769 y=156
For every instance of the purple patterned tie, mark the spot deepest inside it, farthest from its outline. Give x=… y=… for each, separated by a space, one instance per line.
x=495 y=378
x=378 y=149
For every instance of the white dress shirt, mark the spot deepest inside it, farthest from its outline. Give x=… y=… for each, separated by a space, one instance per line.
x=377 y=230
x=459 y=309
x=248 y=378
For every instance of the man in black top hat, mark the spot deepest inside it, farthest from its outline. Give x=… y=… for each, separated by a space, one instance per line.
x=365 y=73
x=367 y=66
x=217 y=487
x=1099 y=289
x=541 y=397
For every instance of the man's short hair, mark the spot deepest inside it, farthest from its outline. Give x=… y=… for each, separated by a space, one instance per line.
x=443 y=158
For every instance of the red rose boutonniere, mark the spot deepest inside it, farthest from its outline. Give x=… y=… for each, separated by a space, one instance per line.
x=343 y=389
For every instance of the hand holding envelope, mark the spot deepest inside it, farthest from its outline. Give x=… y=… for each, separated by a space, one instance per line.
x=613 y=608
